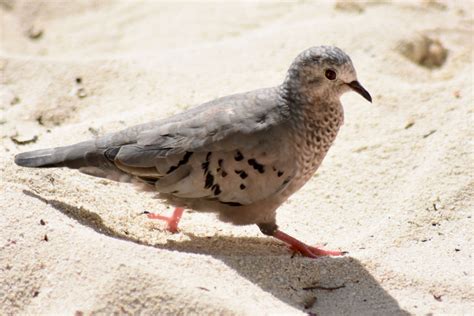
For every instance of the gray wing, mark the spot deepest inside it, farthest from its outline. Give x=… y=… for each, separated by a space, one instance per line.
x=226 y=123
x=223 y=150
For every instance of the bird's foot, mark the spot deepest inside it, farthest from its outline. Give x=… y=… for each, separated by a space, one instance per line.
x=171 y=221
x=315 y=252
x=304 y=249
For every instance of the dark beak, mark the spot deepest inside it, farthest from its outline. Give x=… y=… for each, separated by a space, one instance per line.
x=357 y=87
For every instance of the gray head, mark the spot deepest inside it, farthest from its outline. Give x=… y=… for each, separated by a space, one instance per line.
x=324 y=72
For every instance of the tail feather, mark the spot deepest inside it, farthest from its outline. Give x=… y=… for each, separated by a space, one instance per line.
x=84 y=156
x=74 y=156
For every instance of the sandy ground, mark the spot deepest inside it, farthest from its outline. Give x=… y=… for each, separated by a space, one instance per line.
x=396 y=189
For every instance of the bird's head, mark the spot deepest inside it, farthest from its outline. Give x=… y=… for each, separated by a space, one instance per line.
x=324 y=72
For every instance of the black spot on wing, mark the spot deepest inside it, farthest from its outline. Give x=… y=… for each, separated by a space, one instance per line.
x=183 y=161
x=280 y=173
x=209 y=181
x=205 y=165
x=238 y=156
x=257 y=166
x=242 y=186
x=216 y=189
x=241 y=173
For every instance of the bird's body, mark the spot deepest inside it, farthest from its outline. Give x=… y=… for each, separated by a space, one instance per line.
x=240 y=156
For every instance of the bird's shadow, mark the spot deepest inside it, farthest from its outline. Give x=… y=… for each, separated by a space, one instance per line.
x=326 y=286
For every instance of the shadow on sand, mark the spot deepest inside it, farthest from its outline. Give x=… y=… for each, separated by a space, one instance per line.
x=337 y=286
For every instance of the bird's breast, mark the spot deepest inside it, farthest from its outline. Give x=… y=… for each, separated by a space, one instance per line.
x=313 y=135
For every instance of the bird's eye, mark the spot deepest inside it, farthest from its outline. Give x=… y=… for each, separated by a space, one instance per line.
x=330 y=74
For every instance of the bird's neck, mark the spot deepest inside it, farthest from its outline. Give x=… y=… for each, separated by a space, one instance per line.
x=306 y=105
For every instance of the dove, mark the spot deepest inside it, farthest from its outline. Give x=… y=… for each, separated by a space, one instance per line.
x=239 y=156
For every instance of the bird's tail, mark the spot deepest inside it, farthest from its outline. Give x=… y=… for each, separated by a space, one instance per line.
x=75 y=156
x=85 y=156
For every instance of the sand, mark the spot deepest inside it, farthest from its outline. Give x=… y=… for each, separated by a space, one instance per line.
x=396 y=190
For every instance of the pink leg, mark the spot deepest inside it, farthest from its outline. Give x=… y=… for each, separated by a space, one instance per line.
x=172 y=220
x=305 y=250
